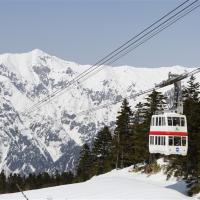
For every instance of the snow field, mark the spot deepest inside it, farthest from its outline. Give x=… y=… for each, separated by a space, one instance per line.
x=117 y=184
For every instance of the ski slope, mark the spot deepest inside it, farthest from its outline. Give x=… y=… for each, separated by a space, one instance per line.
x=117 y=184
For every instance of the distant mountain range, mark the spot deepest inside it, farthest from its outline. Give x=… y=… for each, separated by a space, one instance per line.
x=51 y=137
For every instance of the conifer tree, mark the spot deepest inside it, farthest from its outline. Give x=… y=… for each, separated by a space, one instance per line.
x=122 y=135
x=67 y=177
x=138 y=115
x=191 y=92
x=192 y=110
x=11 y=181
x=139 y=136
x=102 y=151
x=2 y=182
x=46 y=180
x=57 y=177
x=155 y=102
x=85 y=164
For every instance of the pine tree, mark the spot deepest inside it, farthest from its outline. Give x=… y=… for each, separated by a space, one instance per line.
x=67 y=177
x=38 y=180
x=102 y=151
x=11 y=181
x=57 y=177
x=191 y=92
x=122 y=136
x=139 y=152
x=2 y=182
x=192 y=110
x=155 y=102
x=85 y=164
x=46 y=180
x=138 y=115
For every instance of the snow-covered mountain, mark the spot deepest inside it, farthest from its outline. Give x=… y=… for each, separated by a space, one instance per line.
x=50 y=138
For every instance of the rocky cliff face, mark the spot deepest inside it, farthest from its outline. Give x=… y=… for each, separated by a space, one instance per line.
x=50 y=137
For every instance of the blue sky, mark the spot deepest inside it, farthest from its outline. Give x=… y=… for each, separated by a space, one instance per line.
x=86 y=30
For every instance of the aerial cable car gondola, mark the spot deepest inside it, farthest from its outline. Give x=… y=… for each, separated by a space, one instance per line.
x=168 y=130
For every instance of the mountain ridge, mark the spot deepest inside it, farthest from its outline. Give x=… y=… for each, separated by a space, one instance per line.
x=50 y=138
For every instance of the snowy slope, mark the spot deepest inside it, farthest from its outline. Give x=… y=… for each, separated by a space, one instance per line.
x=50 y=138
x=117 y=184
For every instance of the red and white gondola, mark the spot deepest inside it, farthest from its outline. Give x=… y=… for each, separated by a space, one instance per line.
x=168 y=134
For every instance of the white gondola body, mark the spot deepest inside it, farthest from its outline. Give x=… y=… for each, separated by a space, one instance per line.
x=168 y=134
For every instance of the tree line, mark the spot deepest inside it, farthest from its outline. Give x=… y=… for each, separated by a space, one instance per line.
x=127 y=145
x=8 y=184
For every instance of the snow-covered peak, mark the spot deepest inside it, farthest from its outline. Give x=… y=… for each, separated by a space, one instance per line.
x=11 y=58
x=23 y=64
x=38 y=52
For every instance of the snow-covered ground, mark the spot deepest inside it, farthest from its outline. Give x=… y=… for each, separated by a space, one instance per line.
x=117 y=184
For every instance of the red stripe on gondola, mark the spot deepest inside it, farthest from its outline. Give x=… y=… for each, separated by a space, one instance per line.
x=168 y=133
